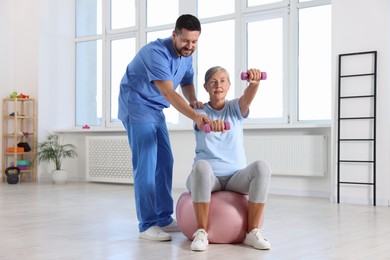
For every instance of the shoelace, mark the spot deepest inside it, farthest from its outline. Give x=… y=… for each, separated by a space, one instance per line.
x=257 y=233
x=203 y=235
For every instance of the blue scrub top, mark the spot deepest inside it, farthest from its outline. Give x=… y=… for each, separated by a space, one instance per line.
x=139 y=98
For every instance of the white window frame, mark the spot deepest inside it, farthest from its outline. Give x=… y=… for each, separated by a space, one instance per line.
x=287 y=9
x=259 y=16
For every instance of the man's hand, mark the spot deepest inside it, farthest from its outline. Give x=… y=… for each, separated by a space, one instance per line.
x=201 y=120
x=196 y=104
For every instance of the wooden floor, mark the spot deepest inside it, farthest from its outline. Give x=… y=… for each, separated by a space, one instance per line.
x=97 y=221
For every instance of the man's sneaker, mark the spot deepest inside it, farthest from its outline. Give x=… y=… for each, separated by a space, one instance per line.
x=256 y=240
x=156 y=234
x=173 y=227
x=200 y=241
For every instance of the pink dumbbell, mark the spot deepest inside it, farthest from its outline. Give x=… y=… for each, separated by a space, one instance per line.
x=244 y=76
x=207 y=127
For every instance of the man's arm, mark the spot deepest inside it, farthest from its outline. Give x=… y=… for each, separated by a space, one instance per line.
x=189 y=93
x=174 y=98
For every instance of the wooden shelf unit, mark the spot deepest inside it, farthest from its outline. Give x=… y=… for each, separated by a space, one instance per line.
x=19 y=125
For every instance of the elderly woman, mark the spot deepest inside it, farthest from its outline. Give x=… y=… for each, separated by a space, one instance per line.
x=220 y=162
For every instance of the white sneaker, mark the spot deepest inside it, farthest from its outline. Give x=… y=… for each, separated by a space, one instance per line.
x=173 y=227
x=156 y=234
x=200 y=241
x=255 y=239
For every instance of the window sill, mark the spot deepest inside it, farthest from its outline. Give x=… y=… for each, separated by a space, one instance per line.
x=187 y=128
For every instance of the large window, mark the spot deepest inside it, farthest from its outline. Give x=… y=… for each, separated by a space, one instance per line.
x=267 y=54
x=290 y=40
x=216 y=48
x=122 y=50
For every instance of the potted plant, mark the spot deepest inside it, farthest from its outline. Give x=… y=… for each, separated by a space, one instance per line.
x=52 y=150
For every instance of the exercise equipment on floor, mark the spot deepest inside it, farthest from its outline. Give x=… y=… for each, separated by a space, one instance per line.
x=12 y=174
x=228 y=217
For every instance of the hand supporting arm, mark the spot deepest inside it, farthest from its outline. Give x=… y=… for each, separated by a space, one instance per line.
x=189 y=93
x=177 y=101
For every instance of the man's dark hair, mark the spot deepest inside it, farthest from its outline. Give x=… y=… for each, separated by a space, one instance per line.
x=187 y=21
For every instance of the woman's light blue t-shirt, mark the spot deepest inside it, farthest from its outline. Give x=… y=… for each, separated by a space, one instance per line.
x=224 y=151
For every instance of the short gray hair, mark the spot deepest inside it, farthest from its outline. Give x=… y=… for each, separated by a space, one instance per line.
x=214 y=70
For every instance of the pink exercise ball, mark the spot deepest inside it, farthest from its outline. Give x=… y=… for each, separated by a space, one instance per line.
x=228 y=217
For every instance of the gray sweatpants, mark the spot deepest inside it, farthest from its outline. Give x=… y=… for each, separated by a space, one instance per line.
x=253 y=180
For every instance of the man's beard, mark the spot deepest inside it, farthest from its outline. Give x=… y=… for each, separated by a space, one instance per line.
x=182 y=53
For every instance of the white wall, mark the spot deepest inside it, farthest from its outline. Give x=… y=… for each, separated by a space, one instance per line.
x=5 y=47
x=183 y=147
x=5 y=54
x=360 y=25
x=18 y=47
x=38 y=57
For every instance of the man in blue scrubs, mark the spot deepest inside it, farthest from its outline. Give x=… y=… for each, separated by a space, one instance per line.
x=147 y=87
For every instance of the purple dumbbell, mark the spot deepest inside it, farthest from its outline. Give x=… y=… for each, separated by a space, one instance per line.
x=207 y=127
x=244 y=76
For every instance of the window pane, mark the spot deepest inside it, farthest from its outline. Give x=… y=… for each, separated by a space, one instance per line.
x=216 y=48
x=265 y=51
x=122 y=52
x=88 y=17
x=151 y=36
x=261 y=2
x=155 y=16
x=122 y=13
x=207 y=8
x=89 y=83
x=171 y=114
x=315 y=63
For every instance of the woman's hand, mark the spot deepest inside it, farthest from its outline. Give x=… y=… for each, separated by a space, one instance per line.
x=254 y=76
x=218 y=126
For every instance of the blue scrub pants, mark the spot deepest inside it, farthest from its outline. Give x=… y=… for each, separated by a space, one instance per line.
x=152 y=166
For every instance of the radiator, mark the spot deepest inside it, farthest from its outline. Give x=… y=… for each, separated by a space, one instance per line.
x=108 y=159
x=290 y=155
